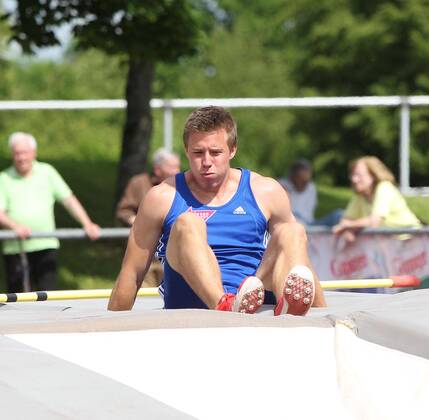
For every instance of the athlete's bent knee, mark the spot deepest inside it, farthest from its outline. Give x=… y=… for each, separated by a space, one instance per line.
x=288 y=232
x=188 y=223
x=298 y=230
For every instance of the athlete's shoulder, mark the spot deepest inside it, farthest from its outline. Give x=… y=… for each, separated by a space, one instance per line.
x=264 y=184
x=156 y=203
x=160 y=197
x=271 y=197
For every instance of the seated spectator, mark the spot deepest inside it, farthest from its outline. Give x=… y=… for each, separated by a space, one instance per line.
x=303 y=195
x=164 y=165
x=376 y=200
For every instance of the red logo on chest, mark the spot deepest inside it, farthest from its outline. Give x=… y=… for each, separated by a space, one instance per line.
x=204 y=214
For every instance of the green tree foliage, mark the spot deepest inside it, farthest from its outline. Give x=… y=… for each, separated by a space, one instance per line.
x=142 y=33
x=277 y=48
x=4 y=64
x=314 y=48
x=87 y=134
x=357 y=47
x=80 y=142
x=236 y=63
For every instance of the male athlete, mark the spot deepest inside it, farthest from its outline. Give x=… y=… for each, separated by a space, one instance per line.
x=225 y=235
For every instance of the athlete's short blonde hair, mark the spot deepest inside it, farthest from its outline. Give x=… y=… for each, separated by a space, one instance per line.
x=210 y=118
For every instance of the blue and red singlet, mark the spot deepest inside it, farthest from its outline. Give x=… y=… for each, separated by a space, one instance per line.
x=237 y=233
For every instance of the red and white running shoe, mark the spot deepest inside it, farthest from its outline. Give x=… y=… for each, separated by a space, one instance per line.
x=249 y=297
x=298 y=292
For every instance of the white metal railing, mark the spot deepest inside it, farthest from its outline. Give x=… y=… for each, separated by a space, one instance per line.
x=111 y=233
x=69 y=233
x=403 y=102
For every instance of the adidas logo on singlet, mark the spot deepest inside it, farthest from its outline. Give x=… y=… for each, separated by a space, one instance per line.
x=239 y=210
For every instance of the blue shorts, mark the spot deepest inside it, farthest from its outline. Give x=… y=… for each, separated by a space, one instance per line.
x=179 y=295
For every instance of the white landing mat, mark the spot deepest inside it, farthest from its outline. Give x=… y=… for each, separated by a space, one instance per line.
x=219 y=373
x=254 y=373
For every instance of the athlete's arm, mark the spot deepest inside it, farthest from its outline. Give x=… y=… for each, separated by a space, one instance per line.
x=142 y=242
x=272 y=200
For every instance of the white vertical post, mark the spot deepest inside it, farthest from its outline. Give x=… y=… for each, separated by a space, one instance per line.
x=404 y=147
x=168 y=126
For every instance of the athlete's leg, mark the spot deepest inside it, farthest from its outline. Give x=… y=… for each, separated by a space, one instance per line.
x=287 y=249
x=189 y=254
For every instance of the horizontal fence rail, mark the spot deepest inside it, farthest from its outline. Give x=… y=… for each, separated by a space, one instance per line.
x=315 y=102
x=72 y=233
x=111 y=233
x=402 y=102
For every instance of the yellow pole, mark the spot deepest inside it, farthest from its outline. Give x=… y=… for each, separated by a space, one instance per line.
x=356 y=284
x=394 y=281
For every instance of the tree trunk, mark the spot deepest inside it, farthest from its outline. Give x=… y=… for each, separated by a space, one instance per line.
x=137 y=131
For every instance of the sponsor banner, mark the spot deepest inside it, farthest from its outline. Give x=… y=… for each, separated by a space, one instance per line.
x=370 y=256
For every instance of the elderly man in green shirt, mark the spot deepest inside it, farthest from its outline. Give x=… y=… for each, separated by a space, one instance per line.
x=28 y=192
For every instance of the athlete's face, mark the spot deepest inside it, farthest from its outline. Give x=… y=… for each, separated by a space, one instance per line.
x=209 y=157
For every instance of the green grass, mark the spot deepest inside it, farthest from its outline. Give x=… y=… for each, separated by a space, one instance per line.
x=331 y=198
x=420 y=207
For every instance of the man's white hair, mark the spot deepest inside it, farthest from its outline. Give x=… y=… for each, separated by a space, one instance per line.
x=19 y=137
x=161 y=155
